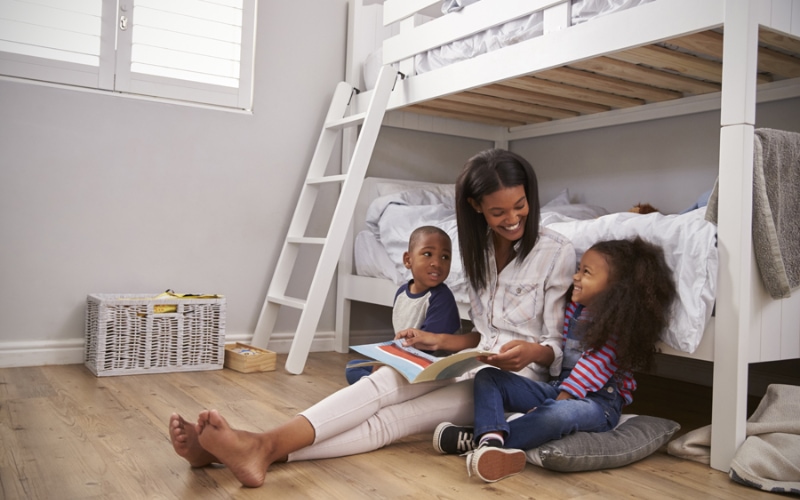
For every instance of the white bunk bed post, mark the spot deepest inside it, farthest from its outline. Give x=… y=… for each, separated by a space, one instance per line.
x=735 y=308
x=349 y=137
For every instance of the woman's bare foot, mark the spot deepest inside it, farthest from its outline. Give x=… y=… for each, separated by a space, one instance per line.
x=246 y=454
x=184 y=440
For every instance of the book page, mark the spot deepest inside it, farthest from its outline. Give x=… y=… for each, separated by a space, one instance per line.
x=418 y=366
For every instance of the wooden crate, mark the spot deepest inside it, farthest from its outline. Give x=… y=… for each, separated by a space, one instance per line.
x=246 y=358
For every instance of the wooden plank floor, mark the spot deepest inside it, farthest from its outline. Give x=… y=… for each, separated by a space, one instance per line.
x=67 y=434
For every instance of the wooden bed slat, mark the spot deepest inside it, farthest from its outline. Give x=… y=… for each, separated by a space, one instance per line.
x=709 y=43
x=679 y=62
x=640 y=74
x=672 y=60
x=507 y=92
x=512 y=105
x=460 y=104
x=429 y=108
x=778 y=63
x=611 y=85
x=780 y=41
x=571 y=92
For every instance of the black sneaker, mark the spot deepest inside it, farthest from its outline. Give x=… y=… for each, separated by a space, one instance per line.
x=492 y=463
x=453 y=439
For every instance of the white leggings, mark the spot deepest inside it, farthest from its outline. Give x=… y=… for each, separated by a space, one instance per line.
x=380 y=409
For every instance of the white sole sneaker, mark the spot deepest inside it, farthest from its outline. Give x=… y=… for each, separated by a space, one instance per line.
x=493 y=464
x=452 y=439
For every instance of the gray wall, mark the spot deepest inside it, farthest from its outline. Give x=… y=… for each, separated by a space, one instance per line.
x=103 y=194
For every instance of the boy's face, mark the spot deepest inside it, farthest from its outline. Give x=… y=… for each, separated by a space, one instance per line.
x=429 y=261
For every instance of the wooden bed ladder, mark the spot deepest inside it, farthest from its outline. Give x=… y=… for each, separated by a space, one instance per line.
x=352 y=180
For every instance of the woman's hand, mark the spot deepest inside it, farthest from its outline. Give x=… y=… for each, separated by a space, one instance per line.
x=517 y=354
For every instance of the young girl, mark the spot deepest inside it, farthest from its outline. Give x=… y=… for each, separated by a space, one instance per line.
x=621 y=299
x=519 y=274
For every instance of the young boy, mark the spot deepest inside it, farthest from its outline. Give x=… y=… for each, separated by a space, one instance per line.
x=425 y=302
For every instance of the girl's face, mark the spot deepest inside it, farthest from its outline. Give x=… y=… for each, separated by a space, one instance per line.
x=591 y=278
x=506 y=211
x=429 y=260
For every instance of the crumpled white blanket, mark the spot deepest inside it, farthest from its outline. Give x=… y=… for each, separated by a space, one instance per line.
x=769 y=458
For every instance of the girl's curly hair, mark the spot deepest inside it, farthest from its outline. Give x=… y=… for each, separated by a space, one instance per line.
x=636 y=305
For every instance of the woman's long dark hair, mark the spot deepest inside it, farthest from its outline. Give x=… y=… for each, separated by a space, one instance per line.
x=636 y=305
x=483 y=174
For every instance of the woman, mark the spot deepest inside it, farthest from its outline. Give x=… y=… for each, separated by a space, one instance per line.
x=519 y=275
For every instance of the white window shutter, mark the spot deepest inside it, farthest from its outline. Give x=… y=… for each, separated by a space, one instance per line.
x=197 y=50
x=192 y=50
x=52 y=40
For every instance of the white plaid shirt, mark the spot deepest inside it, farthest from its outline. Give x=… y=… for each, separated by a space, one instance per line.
x=526 y=300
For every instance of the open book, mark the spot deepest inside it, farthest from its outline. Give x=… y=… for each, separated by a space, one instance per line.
x=417 y=366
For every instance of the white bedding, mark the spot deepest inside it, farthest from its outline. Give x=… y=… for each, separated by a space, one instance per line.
x=509 y=33
x=688 y=240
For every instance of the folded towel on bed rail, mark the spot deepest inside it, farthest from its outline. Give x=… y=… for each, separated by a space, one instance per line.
x=776 y=209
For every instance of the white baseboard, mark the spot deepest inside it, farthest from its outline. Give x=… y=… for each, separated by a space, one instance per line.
x=70 y=352
x=42 y=352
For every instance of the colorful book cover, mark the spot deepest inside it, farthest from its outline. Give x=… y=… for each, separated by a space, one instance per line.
x=417 y=366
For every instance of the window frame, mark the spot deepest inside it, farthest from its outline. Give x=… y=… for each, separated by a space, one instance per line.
x=113 y=74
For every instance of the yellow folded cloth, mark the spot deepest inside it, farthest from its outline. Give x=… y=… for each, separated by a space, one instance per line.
x=171 y=308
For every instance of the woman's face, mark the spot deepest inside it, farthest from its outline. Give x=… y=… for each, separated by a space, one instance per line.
x=506 y=211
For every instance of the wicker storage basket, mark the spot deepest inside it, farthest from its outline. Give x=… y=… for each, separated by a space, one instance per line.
x=129 y=334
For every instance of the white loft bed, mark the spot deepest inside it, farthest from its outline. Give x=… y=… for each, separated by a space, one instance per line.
x=578 y=77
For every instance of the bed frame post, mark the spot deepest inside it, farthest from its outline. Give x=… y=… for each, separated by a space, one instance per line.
x=352 y=75
x=734 y=308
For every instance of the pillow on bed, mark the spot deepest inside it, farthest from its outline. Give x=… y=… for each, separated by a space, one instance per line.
x=633 y=439
x=561 y=199
x=455 y=5
x=561 y=209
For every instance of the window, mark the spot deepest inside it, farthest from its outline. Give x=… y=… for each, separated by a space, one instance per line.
x=191 y=50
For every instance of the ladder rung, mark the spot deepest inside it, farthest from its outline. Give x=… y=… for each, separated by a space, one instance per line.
x=347 y=121
x=326 y=179
x=306 y=240
x=287 y=301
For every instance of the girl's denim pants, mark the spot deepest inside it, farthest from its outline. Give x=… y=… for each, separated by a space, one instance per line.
x=498 y=392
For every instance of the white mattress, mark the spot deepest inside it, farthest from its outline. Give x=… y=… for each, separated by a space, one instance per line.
x=494 y=38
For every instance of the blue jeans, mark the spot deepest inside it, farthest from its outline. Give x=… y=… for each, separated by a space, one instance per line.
x=497 y=392
x=354 y=373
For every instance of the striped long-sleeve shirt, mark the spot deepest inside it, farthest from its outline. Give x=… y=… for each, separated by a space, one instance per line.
x=595 y=367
